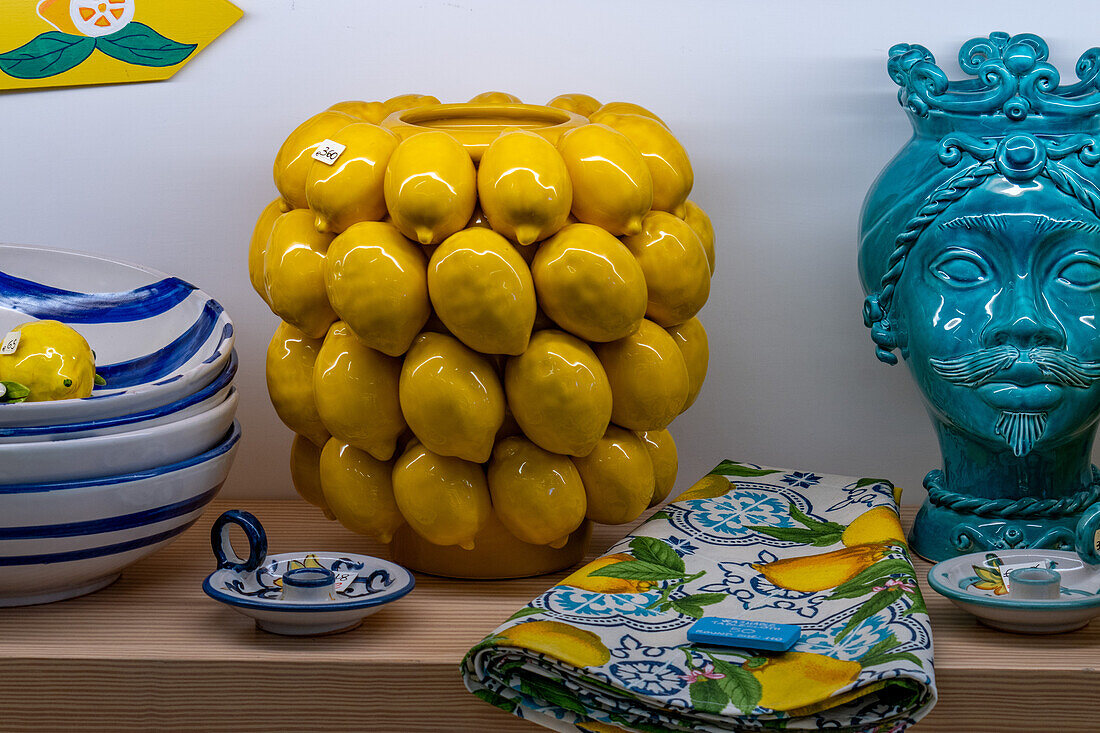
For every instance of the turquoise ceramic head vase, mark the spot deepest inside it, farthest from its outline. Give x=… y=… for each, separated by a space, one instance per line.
x=980 y=254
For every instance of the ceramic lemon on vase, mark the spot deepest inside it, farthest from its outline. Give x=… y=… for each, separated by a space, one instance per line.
x=489 y=321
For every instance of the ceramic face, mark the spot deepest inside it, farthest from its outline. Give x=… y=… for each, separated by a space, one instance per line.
x=996 y=315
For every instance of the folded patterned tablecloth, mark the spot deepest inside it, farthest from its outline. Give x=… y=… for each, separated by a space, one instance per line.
x=606 y=649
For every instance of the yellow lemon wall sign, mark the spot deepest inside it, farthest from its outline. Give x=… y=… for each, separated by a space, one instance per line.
x=55 y=43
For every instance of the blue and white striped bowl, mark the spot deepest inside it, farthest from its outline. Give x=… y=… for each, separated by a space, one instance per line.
x=60 y=540
x=205 y=399
x=157 y=338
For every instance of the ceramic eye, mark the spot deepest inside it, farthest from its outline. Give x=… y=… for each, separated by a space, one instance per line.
x=960 y=267
x=1080 y=271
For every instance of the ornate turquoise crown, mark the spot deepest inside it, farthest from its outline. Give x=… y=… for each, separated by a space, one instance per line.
x=1012 y=81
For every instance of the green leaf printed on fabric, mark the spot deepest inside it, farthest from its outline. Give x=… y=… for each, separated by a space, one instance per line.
x=862 y=584
x=883 y=653
x=656 y=551
x=742 y=689
x=505 y=704
x=812 y=532
x=869 y=608
x=707 y=696
x=637 y=570
x=733 y=468
x=139 y=44
x=524 y=612
x=46 y=55
x=552 y=693
x=871 y=482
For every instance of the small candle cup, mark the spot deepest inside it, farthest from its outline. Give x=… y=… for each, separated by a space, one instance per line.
x=1034 y=584
x=309 y=585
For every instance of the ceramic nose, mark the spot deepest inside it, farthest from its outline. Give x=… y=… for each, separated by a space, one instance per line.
x=1022 y=319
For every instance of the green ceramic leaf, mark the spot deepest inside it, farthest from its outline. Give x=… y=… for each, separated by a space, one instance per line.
x=653 y=550
x=742 y=689
x=14 y=392
x=46 y=55
x=139 y=44
x=637 y=570
x=732 y=468
x=707 y=696
x=99 y=380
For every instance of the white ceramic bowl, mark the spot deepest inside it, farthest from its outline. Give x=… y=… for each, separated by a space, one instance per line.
x=157 y=338
x=63 y=540
x=109 y=455
x=205 y=399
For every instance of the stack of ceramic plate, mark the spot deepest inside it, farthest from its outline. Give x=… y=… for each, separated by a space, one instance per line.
x=88 y=486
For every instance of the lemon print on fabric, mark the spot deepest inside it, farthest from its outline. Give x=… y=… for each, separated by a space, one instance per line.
x=305 y=472
x=257 y=246
x=351 y=381
x=582 y=104
x=612 y=186
x=793 y=681
x=537 y=495
x=699 y=222
x=879 y=525
x=430 y=187
x=708 y=487
x=377 y=283
x=648 y=376
x=589 y=283
x=662 y=451
x=578 y=647
x=444 y=499
x=815 y=573
x=295 y=157
x=523 y=187
x=451 y=398
x=482 y=290
x=358 y=489
x=559 y=394
x=584 y=579
x=290 y=359
x=677 y=275
x=691 y=339
x=669 y=167
x=350 y=189
x=52 y=361
x=618 y=477
x=294 y=273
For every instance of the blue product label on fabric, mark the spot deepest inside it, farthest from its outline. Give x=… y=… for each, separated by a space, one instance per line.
x=744 y=634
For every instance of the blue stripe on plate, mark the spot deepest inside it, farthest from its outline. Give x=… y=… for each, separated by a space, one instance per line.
x=221 y=448
x=110 y=524
x=115 y=549
x=227 y=333
x=163 y=362
x=208 y=391
x=43 y=301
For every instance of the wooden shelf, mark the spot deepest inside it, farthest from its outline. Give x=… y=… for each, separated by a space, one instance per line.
x=152 y=652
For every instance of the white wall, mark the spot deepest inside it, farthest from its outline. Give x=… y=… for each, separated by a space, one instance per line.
x=784 y=107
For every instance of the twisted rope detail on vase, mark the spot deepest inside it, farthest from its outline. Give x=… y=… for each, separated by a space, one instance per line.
x=606 y=649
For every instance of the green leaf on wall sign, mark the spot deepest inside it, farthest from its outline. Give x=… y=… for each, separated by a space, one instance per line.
x=139 y=44
x=46 y=55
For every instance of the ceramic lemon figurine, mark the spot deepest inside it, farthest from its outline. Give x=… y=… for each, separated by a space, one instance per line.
x=490 y=320
x=45 y=360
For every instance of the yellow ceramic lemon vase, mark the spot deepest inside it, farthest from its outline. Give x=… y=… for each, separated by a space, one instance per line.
x=489 y=322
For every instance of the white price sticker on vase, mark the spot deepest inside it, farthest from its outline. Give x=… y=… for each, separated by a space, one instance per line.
x=11 y=343
x=328 y=151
